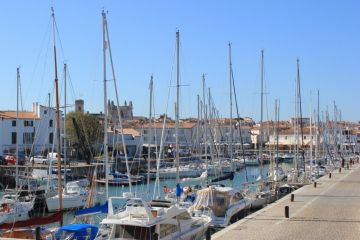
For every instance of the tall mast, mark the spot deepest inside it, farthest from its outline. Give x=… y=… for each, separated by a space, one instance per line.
x=197 y=125
x=300 y=111
x=150 y=117
x=177 y=105
x=206 y=123
x=261 y=108
x=64 y=137
x=311 y=133
x=107 y=41
x=231 y=129
x=58 y=140
x=317 y=146
x=17 y=127
x=277 y=132
x=106 y=154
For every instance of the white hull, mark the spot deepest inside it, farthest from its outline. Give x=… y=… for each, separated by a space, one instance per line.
x=18 y=212
x=233 y=213
x=71 y=201
x=170 y=173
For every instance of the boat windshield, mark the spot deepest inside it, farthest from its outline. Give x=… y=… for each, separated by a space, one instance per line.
x=134 y=232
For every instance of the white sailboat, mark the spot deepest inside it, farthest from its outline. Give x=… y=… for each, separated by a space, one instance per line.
x=74 y=195
x=11 y=208
x=138 y=219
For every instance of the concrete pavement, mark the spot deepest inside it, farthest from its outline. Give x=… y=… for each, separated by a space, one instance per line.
x=329 y=211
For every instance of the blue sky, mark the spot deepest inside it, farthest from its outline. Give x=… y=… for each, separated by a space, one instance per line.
x=323 y=34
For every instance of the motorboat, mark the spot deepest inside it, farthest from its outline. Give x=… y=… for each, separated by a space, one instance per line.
x=138 y=219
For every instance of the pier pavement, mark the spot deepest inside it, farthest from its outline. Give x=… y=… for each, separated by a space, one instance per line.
x=331 y=210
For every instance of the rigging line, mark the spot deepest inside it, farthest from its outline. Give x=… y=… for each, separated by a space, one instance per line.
x=58 y=36
x=37 y=61
x=239 y=121
x=157 y=181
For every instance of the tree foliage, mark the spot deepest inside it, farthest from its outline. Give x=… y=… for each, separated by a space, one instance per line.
x=83 y=133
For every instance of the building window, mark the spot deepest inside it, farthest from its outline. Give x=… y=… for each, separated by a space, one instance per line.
x=13 y=123
x=13 y=138
x=28 y=137
x=51 y=123
x=145 y=131
x=304 y=137
x=45 y=112
x=51 y=138
x=285 y=137
x=28 y=123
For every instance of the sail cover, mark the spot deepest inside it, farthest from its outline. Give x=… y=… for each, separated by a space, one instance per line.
x=92 y=210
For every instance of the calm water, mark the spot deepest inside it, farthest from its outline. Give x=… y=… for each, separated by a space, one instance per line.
x=252 y=172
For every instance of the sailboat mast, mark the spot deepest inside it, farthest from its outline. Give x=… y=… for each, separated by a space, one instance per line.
x=197 y=126
x=231 y=129
x=106 y=154
x=277 y=131
x=64 y=137
x=150 y=117
x=117 y=101
x=318 y=124
x=261 y=108
x=177 y=105
x=300 y=111
x=206 y=122
x=58 y=140
x=17 y=127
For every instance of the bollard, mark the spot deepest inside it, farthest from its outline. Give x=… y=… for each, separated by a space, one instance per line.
x=315 y=184
x=339 y=170
x=292 y=196
x=37 y=233
x=208 y=234
x=329 y=175
x=287 y=211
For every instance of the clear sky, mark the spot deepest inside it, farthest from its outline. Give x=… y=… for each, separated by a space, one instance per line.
x=323 y=34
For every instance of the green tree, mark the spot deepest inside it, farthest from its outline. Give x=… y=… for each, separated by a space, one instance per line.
x=84 y=133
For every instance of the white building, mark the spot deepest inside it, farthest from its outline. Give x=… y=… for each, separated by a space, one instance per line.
x=152 y=133
x=33 y=131
x=132 y=140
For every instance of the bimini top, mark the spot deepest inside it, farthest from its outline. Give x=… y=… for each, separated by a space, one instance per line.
x=79 y=231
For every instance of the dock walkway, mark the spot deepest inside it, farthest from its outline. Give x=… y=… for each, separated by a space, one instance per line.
x=329 y=211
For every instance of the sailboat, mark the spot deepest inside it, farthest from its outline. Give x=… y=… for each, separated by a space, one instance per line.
x=12 y=209
x=262 y=196
x=74 y=194
x=57 y=217
x=138 y=219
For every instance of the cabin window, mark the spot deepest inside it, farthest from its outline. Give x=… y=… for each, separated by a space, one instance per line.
x=13 y=123
x=13 y=138
x=134 y=232
x=167 y=229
